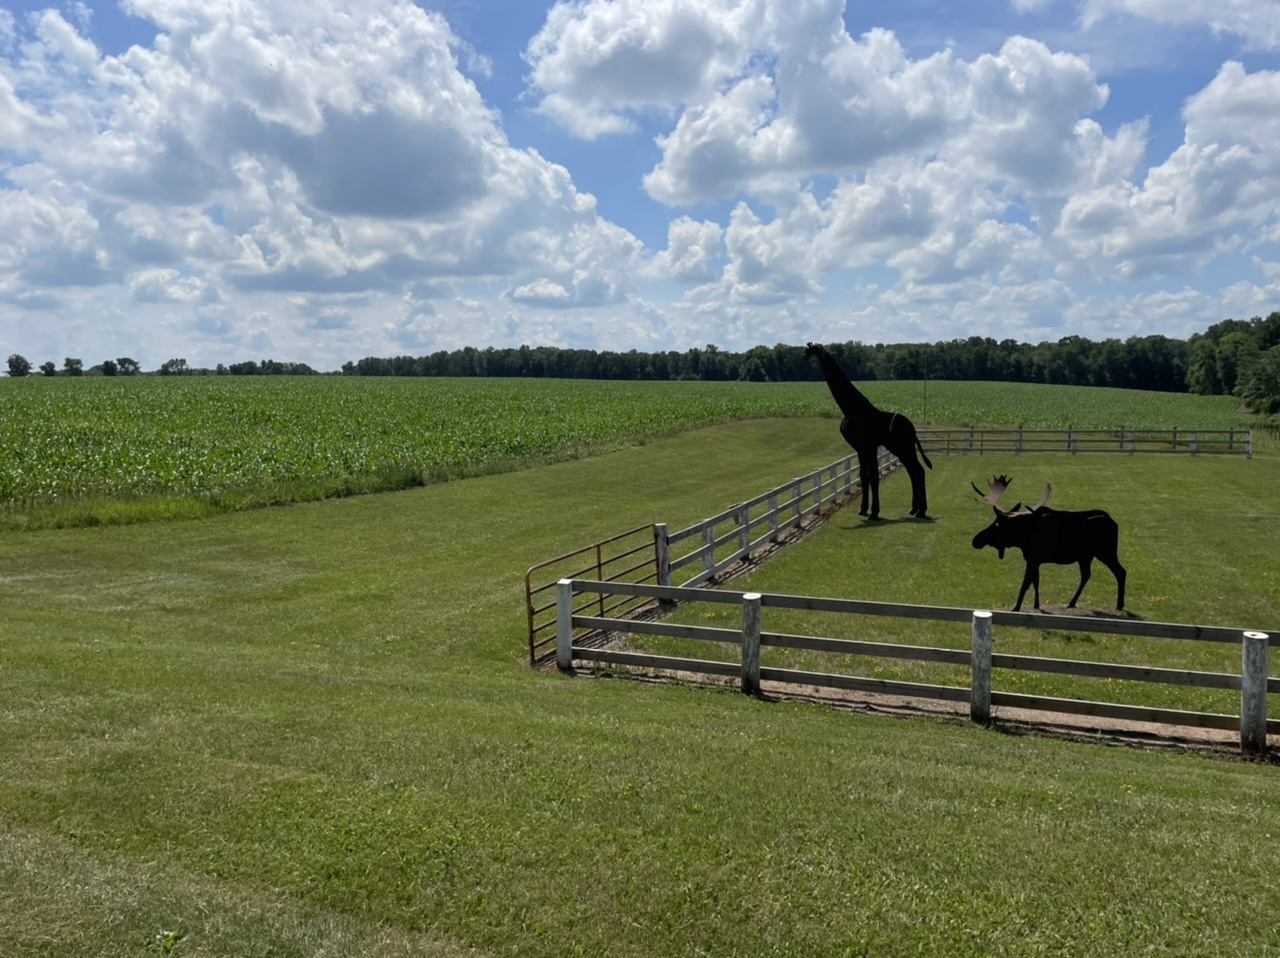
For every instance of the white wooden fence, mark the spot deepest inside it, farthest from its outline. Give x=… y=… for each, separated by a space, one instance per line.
x=694 y=555
x=705 y=549
x=1253 y=681
x=1202 y=442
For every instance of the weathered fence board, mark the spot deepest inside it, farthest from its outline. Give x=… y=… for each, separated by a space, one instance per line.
x=1202 y=442
x=667 y=662
x=888 y=650
x=853 y=683
x=1133 y=713
x=1129 y=673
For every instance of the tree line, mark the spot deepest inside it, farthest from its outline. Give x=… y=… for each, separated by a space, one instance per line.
x=1150 y=362
x=1233 y=357
x=124 y=366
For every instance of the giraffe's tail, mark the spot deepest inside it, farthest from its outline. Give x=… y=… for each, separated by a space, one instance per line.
x=920 y=446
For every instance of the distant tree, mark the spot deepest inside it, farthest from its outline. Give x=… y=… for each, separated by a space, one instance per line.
x=1268 y=331
x=1236 y=351
x=1202 y=372
x=109 y=368
x=49 y=369
x=174 y=367
x=128 y=367
x=19 y=365
x=715 y=364
x=72 y=366
x=1260 y=383
x=753 y=371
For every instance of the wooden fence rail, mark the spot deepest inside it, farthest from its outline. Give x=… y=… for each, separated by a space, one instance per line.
x=1252 y=681
x=1200 y=442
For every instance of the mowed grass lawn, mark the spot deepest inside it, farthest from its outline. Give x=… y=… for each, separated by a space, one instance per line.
x=311 y=731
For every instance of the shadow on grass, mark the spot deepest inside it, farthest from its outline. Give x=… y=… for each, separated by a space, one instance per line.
x=864 y=523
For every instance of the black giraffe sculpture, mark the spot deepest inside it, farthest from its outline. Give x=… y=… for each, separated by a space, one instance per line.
x=866 y=429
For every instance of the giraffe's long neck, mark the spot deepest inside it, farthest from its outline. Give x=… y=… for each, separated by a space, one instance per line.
x=851 y=402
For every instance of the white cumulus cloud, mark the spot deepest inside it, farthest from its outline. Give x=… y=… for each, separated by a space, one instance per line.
x=1257 y=22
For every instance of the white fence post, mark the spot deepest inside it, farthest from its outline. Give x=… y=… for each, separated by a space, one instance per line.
x=708 y=548
x=773 y=516
x=1253 y=692
x=980 y=680
x=662 y=552
x=751 y=643
x=564 y=624
x=744 y=527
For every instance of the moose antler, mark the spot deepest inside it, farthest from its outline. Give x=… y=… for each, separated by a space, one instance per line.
x=995 y=487
x=1048 y=491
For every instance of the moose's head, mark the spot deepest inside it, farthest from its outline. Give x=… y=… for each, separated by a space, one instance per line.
x=1006 y=531
x=812 y=349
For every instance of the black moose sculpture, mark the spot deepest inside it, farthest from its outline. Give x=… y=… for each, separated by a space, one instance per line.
x=1050 y=535
x=866 y=429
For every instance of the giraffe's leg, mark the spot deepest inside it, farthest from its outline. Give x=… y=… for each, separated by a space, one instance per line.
x=870 y=477
x=919 y=505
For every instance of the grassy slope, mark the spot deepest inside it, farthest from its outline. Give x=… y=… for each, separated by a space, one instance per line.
x=309 y=731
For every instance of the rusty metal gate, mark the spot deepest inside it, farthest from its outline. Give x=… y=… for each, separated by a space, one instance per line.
x=627 y=557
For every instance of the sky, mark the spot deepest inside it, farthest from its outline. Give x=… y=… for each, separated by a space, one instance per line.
x=322 y=180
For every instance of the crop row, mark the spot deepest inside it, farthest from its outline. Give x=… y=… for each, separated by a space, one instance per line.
x=63 y=438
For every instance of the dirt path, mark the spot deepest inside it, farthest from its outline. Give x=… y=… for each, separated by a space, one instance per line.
x=1105 y=731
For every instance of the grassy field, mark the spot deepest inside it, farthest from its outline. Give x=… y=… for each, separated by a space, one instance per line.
x=100 y=451
x=310 y=731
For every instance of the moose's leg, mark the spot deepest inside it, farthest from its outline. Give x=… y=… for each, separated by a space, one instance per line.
x=869 y=476
x=1086 y=570
x=1029 y=578
x=1118 y=571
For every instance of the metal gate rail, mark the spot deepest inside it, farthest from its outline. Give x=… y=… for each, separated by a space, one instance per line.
x=603 y=562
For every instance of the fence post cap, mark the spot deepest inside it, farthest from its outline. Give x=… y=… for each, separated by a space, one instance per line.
x=1256 y=635
x=981 y=614
x=565 y=582
x=751 y=597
